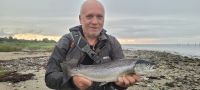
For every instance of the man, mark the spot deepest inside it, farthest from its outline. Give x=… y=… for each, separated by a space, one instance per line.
x=107 y=48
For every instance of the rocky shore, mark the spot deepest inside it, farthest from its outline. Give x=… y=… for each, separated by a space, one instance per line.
x=25 y=73
x=174 y=72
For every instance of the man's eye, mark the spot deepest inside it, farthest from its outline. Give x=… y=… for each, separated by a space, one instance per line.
x=89 y=16
x=99 y=17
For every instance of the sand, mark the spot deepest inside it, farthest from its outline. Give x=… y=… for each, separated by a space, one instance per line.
x=17 y=55
x=38 y=81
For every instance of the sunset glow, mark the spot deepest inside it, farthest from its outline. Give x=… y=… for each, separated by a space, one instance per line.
x=29 y=36
x=136 y=41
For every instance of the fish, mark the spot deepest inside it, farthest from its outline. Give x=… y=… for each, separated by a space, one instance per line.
x=110 y=71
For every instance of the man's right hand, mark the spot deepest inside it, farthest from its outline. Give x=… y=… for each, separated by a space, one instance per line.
x=81 y=82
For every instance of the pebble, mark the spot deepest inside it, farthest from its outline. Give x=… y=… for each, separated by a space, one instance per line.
x=23 y=86
x=148 y=85
x=9 y=84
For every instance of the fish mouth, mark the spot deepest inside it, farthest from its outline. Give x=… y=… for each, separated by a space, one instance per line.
x=152 y=68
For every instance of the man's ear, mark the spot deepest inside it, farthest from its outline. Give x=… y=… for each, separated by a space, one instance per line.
x=79 y=18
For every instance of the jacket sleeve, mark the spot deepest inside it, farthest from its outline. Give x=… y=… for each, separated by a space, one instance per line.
x=116 y=49
x=54 y=76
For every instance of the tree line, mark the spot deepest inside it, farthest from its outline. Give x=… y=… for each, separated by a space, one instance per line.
x=11 y=39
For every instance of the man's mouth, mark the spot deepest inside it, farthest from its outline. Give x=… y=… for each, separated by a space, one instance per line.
x=94 y=27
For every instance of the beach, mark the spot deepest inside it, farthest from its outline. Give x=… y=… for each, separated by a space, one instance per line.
x=174 y=72
x=25 y=62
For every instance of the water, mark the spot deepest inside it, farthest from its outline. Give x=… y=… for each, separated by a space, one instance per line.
x=185 y=49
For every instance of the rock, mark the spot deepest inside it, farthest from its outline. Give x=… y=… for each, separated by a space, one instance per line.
x=23 y=86
x=162 y=76
x=152 y=77
x=170 y=84
x=148 y=85
x=16 y=77
x=9 y=84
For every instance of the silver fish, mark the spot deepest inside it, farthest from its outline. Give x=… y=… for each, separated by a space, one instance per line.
x=109 y=72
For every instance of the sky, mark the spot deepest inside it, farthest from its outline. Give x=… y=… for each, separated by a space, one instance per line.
x=130 y=21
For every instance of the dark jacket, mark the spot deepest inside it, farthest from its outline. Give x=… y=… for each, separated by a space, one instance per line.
x=64 y=51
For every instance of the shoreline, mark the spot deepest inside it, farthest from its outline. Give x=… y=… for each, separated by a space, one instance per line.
x=22 y=54
x=166 y=51
x=175 y=72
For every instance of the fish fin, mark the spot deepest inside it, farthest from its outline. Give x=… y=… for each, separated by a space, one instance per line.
x=65 y=68
x=103 y=83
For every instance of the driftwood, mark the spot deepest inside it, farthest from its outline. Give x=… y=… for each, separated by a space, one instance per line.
x=15 y=77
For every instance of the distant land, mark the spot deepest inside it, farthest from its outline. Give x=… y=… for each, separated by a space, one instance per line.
x=10 y=44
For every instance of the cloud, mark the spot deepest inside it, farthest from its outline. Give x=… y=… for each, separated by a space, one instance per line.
x=154 y=27
x=135 y=21
x=38 y=25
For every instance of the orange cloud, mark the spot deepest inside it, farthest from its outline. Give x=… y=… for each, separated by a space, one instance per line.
x=136 y=41
x=29 y=36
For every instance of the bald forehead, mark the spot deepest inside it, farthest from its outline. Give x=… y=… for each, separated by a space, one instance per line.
x=91 y=4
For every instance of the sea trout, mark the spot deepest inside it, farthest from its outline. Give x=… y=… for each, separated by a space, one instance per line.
x=109 y=72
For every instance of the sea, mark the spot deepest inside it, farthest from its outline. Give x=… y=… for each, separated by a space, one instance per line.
x=190 y=50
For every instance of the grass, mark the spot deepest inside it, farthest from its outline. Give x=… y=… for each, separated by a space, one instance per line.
x=7 y=45
x=26 y=46
x=2 y=71
x=8 y=48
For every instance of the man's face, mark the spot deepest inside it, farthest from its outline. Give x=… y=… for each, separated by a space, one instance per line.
x=92 y=20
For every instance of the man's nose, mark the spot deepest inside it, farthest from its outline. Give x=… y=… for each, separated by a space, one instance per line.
x=94 y=20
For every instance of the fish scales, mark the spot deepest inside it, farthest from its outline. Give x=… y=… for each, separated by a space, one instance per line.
x=110 y=71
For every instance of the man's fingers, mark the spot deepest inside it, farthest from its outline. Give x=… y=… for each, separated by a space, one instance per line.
x=126 y=81
x=87 y=82
x=120 y=80
x=81 y=82
x=131 y=79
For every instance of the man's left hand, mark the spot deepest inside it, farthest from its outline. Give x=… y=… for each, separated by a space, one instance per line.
x=127 y=80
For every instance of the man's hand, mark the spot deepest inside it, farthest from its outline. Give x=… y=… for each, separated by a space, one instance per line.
x=127 y=80
x=81 y=82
